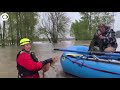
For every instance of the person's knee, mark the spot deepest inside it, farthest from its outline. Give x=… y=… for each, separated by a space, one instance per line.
x=110 y=49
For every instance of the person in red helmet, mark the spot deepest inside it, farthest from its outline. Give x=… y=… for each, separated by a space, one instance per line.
x=28 y=64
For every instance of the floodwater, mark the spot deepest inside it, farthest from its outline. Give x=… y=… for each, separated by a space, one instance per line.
x=43 y=50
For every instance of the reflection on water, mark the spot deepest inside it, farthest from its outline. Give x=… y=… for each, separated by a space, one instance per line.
x=44 y=50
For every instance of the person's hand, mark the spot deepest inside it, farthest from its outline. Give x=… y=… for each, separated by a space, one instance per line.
x=46 y=67
x=55 y=59
x=98 y=33
x=101 y=37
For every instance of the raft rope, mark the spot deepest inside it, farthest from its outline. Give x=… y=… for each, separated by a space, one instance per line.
x=82 y=64
x=43 y=74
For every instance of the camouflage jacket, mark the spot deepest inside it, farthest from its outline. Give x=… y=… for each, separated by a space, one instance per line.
x=109 y=40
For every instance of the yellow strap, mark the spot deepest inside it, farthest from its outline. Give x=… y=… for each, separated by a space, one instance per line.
x=74 y=55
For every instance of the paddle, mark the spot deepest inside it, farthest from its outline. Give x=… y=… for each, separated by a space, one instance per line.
x=90 y=53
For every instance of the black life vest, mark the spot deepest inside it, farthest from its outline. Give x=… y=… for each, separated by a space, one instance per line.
x=22 y=72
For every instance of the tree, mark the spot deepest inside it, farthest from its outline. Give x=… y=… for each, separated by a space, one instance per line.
x=26 y=25
x=54 y=25
x=20 y=25
x=88 y=23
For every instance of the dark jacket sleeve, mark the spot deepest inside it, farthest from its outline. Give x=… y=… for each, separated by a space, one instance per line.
x=110 y=37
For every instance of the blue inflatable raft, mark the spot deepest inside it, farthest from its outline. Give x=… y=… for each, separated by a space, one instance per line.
x=76 y=61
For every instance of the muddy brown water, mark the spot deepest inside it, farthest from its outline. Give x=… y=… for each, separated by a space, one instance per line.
x=43 y=50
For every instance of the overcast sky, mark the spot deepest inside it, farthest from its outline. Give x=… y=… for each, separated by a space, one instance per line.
x=76 y=16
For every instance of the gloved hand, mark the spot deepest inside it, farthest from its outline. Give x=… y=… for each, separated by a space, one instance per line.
x=101 y=37
x=98 y=33
x=46 y=67
x=55 y=59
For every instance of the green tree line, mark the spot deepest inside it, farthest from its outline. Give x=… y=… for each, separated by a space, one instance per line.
x=85 y=28
x=23 y=24
x=19 y=25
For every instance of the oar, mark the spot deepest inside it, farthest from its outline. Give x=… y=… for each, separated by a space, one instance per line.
x=117 y=52
x=74 y=55
x=90 y=53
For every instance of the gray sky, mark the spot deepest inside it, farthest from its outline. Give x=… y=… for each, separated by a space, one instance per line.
x=73 y=16
x=76 y=16
x=117 y=22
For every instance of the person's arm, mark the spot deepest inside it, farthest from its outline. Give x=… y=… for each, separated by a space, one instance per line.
x=110 y=37
x=47 y=61
x=93 y=42
x=50 y=60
